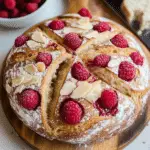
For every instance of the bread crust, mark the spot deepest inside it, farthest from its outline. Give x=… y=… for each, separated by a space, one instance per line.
x=61 y=131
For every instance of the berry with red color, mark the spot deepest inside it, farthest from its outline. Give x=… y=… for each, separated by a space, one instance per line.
x=21 y=4
x=22 y=14
x=31 y=7
x=137 y=58
x=119 y=41
x=126 y=71
x=15 y=13
x=36 y=1
x=71 y=111
x=21 y=40
x=85 y=13
x=114 y=111
x=102 y=26
x=56 y=25
x=72 y=40
x=4 y=14
x=29 y=99
x=105 y=112
x=79 y=72
x=101 y=60
x=108 y=99
x=10 y=4
x=1 y=1
x=46 y=58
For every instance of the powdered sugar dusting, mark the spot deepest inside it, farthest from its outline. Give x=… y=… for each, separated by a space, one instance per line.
x=126 y=112
x=139 y=83
x=126 y=108
x=17 y=79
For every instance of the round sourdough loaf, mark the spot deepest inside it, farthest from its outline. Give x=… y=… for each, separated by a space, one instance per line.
x=77 y=78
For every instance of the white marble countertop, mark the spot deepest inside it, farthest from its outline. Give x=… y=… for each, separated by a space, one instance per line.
x=8 y=138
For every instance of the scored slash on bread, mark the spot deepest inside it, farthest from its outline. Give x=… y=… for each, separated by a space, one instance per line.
x=36 y=36
x=84 y=28
x=50 y=92
x=107 y=75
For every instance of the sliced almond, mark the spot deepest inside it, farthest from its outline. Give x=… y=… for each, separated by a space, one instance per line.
x=95 y=92
x=74 y=80
x=33 y=45
x=91 y=34
x=83 y=23
x=114 y=62
x=67 y=30
x=38 y=37
x=8 y=88
x=19 y=89
x=87 y=26
x=81 y=90
x=17 y=81
x=68 y=88
x=105 y=36
x=30 y=68
x=40 y=66
x=72 y=15
x=27 y=78
x=35 y=80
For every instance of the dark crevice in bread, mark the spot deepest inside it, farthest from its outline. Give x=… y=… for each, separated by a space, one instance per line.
x=57 y=84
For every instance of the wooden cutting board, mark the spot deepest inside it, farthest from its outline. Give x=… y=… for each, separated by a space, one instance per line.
x=97 y=7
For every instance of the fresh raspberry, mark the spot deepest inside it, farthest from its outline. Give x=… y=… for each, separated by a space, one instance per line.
x=36 y=1
x=1 y=1
x=21 y=40
x=71 y=111
x=108 y=99
x=56 y=24
x=15 y=13
x=85 y=13
x=79 y=72
x=119 y=41
x=4 y=14
x=72 y=40
x=31 y=7
x=29 y=99
x=21 y=4
x=102 y=26
x=101 y=60
x=126 y=71
x=46 y=58
x=10 y=4
x=22 y=14
x=137 y=58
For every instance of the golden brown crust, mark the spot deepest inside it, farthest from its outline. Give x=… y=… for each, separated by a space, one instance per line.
x=106 y=74
x=52 y=122
x=53 y=125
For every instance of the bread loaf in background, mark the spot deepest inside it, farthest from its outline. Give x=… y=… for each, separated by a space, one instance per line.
x=138 y=11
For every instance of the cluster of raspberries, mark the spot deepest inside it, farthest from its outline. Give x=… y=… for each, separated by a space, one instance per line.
x=18 y=8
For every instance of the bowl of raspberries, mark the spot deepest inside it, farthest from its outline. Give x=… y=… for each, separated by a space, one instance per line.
x=20 y=13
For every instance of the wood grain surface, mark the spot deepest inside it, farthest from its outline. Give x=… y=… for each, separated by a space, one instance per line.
x=97 y=7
